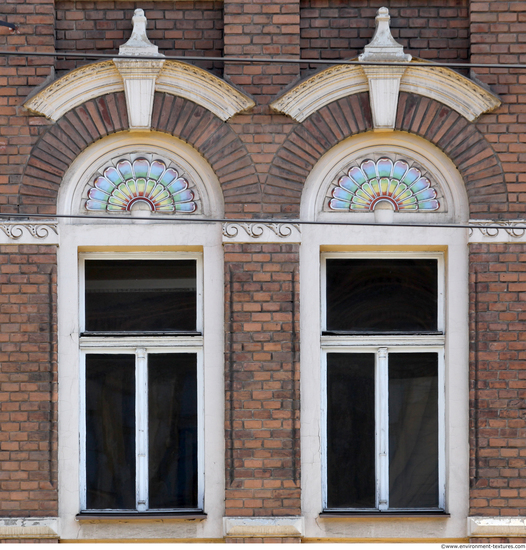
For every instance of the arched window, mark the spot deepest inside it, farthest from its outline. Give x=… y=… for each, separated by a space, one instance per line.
x=384 y=354
x=139 y=288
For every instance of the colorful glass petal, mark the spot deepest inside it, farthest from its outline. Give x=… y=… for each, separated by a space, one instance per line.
x=113 y=175
x=104 y=185
x=347 y=183
x=384 y=167
x=399 y=169
x=121 y=186
x=372 y=182
x=125 y=169
x=140 y=168
x=156 y=169
x=369 y=169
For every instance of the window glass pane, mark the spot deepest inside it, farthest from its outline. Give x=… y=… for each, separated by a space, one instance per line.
x=350 y=430
x=172 y=425
x=413 y=430
x=376 y=295
x=110 y=431
x=140 y=295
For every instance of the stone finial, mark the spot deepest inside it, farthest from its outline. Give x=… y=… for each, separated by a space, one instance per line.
x=139 y=75
x=383 y=47
x=384 y=81
x=138 y=44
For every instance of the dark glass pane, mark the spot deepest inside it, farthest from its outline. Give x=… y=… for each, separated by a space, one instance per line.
x=370 y=295
x=350 y=430
x=413 y=430
x=110 y=432
x=172 y=424
x=140 y=295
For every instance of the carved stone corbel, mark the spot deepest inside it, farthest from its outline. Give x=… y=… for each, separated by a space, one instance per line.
x=139 y=75
x=384 y=82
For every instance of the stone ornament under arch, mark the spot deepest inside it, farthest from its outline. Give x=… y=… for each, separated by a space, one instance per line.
x=417 y=161
x=144 y=174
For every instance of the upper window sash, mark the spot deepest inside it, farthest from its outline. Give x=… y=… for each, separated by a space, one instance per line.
x=440 y=297
x=146 y=256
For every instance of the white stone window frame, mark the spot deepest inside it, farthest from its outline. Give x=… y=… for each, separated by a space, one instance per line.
x=141 y=347
x=389 y=238
x=381 y=345
x=156 y=235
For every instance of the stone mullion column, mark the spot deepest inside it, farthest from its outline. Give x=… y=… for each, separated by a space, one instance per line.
x=262 y=500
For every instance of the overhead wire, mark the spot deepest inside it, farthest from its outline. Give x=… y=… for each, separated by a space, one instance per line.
x=497 y=224
x=89 y=55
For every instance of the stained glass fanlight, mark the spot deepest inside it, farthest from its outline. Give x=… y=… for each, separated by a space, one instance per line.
x=402 y=186
x=152 y=183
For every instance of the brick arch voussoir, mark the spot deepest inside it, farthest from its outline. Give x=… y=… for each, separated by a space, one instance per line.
x=215 y=140
x=308 y=142
x=459 y=139
x=95 y=119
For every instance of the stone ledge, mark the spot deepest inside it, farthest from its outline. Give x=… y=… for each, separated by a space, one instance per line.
x=482 y=526
x=28 y=528
x=278 y=527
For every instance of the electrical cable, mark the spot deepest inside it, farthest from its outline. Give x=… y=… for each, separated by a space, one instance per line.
x=288 y=221
x=268 y=60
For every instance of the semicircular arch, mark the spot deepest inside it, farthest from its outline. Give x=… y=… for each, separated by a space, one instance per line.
x=441 y=126
x=59 y=147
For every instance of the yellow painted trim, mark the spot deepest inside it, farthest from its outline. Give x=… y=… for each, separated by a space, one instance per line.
x=383 y=540
x=381 y=248
x=142 y=541
x=140 y=249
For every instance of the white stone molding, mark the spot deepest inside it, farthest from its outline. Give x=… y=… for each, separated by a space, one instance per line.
x=497 y=231
x=28 y=528
x=264 y=527
x=384 y=89
x=197 y=85
x=440 y=83
x=265 y=232
x=139 y=88
x=29 y=232
x=175 y=78
x=321 y=89
x=502 y=526
x=384 y=82
x=457 y=92
x=139 y=75
x=75 y=88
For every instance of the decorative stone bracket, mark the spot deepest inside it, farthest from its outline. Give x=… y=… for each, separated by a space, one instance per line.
x=139 y=76
x=384 y=82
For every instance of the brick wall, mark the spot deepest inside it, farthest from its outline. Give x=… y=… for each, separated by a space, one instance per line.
x=18 y=77
x=430 y=29
x=498 y=35
x=262 y=376
x=498 y=378
x=178 y=28
x=28 y=446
